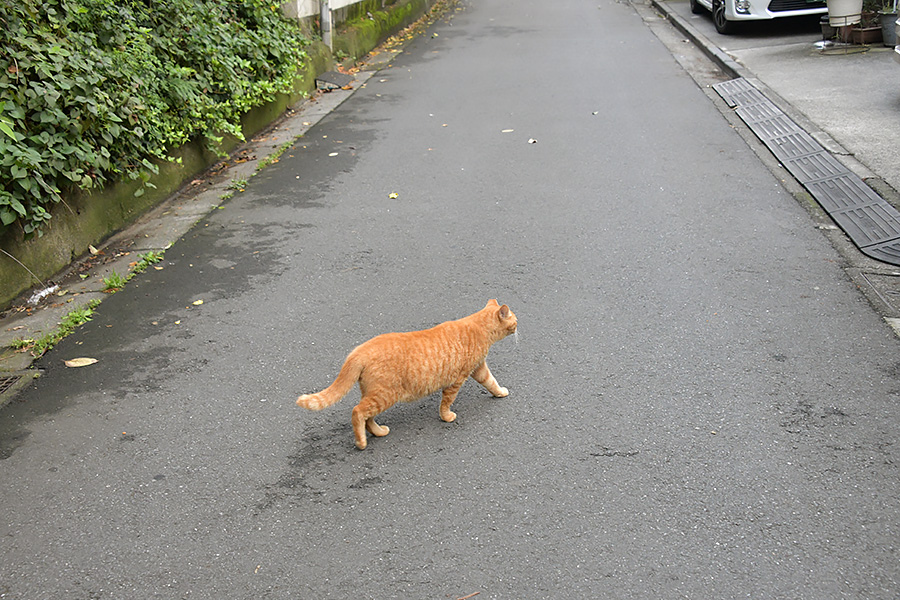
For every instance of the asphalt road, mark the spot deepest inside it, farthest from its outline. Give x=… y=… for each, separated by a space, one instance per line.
x=701 y=404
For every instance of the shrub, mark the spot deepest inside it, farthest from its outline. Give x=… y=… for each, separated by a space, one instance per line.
x=93 y=91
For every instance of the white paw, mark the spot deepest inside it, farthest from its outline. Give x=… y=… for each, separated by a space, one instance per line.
x=502 y=393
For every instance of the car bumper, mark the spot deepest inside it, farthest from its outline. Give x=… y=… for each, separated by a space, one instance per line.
x=757 y=10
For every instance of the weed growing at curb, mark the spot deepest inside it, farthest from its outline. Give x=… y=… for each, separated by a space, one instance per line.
x=237 y=185
x=274 y=157
x=67 y=325
x=144 y=261
x=114 y=282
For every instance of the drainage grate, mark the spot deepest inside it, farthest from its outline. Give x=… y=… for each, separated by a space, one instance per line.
x=872 y=223
x=333 y=80
x=887 y=287
x=8 y=381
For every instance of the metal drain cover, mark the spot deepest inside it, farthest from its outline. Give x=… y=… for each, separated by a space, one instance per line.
x=8 y=381
x=333 y=80
x=12 y=382
x=887 y=287
x=870 y=222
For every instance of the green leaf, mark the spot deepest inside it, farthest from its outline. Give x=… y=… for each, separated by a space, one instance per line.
x=5 y=128
x=17 y=206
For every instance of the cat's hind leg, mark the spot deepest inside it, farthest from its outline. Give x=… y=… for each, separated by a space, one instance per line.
x=482 y=374
x=363 y=418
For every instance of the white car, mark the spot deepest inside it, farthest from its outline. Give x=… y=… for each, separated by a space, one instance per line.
x=726 y=13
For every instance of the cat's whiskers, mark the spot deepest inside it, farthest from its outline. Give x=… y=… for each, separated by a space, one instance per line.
x=516 y=335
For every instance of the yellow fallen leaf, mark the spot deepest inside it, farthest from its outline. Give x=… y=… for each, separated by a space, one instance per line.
x=393 y=195
x=93 y=250
x=80 y=362
x=197 y=302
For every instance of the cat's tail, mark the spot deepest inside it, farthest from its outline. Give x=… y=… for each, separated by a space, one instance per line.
x=346 y=379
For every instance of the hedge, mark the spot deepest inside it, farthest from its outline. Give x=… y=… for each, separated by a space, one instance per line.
x=93 y=91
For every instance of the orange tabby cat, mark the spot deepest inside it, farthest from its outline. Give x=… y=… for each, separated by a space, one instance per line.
x=407 y=366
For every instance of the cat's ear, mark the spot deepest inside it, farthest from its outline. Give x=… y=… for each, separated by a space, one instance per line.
x=493 y=302
x=504 y=312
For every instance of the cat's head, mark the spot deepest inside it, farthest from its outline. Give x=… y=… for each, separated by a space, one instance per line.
x=506 y=320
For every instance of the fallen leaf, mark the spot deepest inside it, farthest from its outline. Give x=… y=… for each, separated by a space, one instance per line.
x=393 y=195
x=93 y=250
x=197 y=302
x=80 y=362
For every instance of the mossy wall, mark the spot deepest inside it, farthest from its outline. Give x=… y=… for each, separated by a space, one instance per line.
x=360 y=33
x=89 y=219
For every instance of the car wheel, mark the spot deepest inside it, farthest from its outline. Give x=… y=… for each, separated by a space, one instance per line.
x=696 y=7
x=723 y=25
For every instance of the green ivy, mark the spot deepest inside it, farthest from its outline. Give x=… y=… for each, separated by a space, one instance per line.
x=93 y=91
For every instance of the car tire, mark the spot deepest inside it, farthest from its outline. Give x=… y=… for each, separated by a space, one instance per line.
x=723 y=25
x=696 y=7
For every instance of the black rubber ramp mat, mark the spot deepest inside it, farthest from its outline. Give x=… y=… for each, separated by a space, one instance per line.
x=872 y=223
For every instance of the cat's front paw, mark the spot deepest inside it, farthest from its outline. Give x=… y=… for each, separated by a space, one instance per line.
x=448 y=417
x=501 y=393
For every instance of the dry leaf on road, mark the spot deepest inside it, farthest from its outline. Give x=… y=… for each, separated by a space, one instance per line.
x=80 y=362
